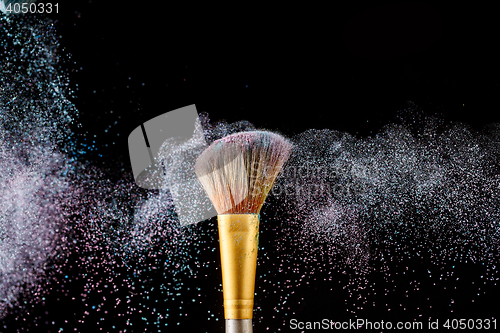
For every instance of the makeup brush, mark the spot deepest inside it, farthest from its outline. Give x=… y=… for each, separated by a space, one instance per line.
x=237 y=172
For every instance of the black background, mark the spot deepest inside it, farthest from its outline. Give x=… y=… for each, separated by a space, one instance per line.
x=349 y=67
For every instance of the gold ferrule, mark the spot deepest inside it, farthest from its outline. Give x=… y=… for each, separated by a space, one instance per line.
x=239 y=240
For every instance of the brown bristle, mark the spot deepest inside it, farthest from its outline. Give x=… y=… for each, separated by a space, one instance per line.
x=239 y=170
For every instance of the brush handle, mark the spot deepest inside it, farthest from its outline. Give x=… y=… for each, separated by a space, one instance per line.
x=238 y=238
x=239 y=326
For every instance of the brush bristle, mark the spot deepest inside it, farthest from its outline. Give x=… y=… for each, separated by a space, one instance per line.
x=239 y=170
